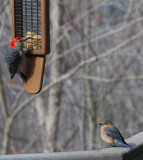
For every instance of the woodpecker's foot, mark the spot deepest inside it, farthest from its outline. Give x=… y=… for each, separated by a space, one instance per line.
x=28 y=51
x=23 y=76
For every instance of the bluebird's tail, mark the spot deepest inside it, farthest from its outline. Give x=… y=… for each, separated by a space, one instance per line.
x=128 y=145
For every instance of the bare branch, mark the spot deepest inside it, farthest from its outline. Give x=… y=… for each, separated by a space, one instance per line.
x=112 y=32
x=70 y=138
x=17 y=98
x=106 y=80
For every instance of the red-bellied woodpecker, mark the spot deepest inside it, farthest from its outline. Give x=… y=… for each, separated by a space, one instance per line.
x=14 y=57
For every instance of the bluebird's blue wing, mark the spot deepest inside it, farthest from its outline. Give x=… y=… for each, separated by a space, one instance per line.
x=114 y=133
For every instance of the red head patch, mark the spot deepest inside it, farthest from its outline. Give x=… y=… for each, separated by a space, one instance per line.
x=14 y=41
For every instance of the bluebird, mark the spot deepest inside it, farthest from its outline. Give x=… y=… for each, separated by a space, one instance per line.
x=111 y=135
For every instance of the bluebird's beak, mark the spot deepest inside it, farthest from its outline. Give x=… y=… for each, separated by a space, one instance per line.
x=100 y=124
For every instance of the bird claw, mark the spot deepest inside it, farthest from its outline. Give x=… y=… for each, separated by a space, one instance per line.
x=111 y=145
x=24 y=78
x=28 y=51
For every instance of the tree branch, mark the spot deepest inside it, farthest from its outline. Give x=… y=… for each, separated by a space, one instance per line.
x=112 y=32
x=106 y=80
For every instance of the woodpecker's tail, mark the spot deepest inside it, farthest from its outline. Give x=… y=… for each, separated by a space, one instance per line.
x=23 y=77
x=11 y=77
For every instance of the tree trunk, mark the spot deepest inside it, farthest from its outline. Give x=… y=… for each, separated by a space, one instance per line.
x=55 y=92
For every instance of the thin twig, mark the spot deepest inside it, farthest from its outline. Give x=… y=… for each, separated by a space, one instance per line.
x=106 y=80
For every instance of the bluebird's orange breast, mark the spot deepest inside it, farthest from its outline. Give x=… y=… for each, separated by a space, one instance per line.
x=105 y=137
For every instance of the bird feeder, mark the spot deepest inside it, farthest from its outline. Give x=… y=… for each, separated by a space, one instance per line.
x=30 y=18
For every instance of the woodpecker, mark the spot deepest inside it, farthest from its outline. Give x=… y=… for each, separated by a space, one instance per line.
x=14 y=56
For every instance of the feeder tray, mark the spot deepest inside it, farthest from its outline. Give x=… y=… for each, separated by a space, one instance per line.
x=30 y=18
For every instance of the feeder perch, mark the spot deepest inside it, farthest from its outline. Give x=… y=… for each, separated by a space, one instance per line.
x=30 y=18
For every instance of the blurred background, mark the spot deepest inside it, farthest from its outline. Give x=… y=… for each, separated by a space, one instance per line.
x=93 y=73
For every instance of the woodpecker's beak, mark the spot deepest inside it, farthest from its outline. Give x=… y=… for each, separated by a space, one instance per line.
x=25 y=39
x=100 y=124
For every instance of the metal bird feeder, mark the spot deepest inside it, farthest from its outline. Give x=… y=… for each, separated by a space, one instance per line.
x=30 y=18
